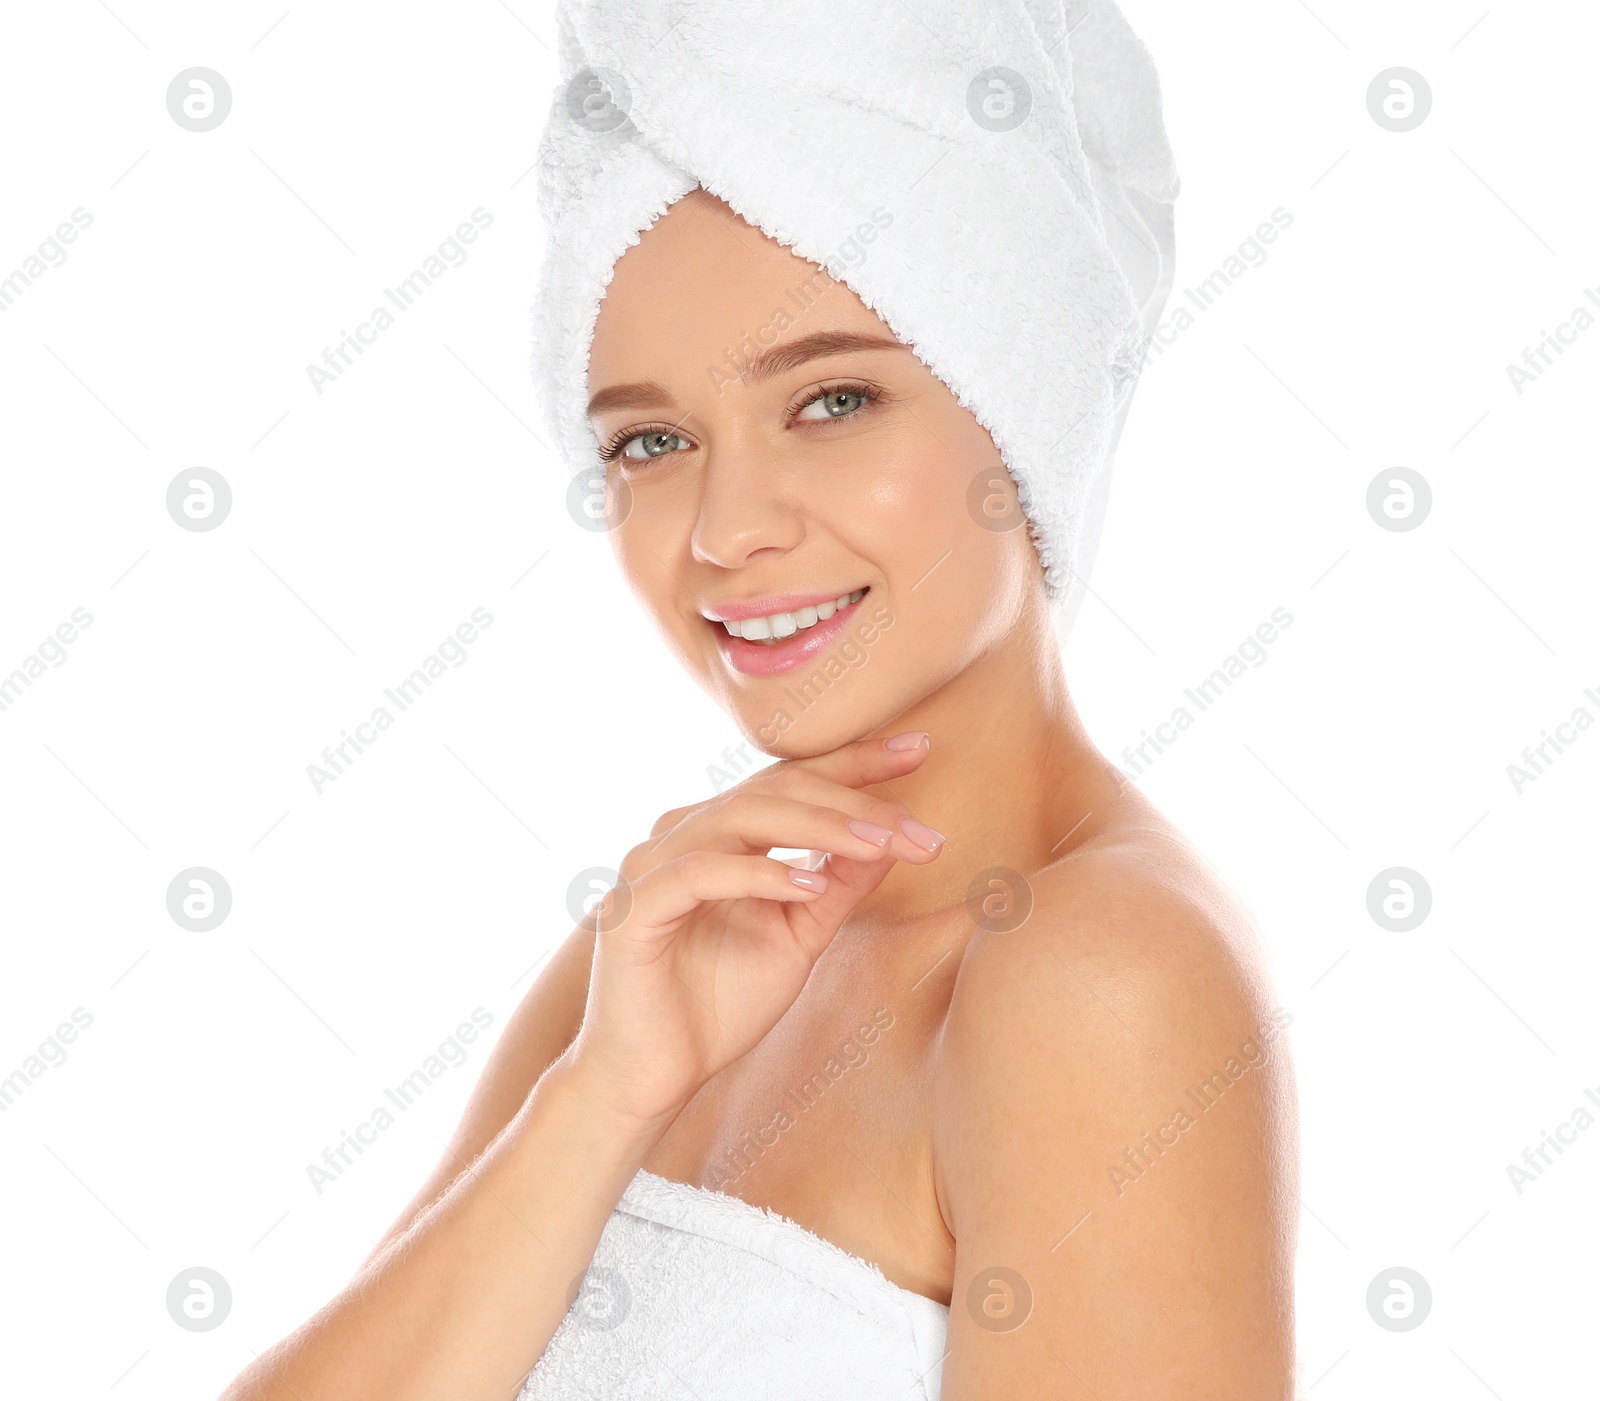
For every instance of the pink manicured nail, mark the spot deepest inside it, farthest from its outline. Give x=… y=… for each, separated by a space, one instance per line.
x=870 y=831
x=922 y=834
x=909 y=740
x=809 y=880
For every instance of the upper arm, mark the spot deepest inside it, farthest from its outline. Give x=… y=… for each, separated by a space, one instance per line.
x=540 y=1029
x=1113 y=1130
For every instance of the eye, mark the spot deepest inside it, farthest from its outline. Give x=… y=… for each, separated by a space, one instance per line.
x=654 y=442
x=836 y=401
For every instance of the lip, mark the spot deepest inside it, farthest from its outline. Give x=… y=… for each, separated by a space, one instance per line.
x=762 y=659
x=776 y=603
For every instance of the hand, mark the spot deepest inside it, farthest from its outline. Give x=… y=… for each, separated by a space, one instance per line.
x=706 y=940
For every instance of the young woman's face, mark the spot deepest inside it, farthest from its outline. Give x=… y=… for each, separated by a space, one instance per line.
x=839 y=465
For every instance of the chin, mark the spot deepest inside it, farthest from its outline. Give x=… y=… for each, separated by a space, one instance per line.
x=781 y=726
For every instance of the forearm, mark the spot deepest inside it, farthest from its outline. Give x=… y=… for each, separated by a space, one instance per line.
x=461 y=1305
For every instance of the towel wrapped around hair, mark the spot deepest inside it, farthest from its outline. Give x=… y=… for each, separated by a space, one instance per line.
x=993 y=179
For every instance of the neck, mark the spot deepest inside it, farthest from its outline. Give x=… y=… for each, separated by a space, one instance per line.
x=1011 y=780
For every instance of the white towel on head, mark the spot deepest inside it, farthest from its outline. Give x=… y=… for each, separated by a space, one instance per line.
x=993 y=179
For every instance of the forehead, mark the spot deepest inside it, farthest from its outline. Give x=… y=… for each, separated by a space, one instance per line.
x=699 y=281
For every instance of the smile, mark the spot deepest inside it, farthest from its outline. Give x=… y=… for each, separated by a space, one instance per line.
x=782 y=638
x=774 y=627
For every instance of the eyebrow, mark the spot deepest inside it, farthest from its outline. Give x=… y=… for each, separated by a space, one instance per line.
x=776 y=360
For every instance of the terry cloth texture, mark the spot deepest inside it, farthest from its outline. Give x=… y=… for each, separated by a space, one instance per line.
x=1007 y=160
x=696 y=1293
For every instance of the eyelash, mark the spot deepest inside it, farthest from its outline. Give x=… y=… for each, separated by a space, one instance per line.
x=870 y=393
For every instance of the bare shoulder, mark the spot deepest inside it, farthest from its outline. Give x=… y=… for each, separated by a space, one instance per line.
x=1135 y=933
x=1114 y=1120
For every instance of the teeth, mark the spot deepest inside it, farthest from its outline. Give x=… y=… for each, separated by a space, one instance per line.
x=776 y=626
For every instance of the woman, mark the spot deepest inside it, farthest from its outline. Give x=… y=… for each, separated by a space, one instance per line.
x=985 y=1097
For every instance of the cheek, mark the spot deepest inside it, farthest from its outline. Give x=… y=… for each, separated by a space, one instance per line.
x=640 y=543
x=905 y=503
x=932 y=503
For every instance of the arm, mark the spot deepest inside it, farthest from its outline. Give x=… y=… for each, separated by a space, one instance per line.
x=1154 y=1231
x=705 y=943
x=463 y=1302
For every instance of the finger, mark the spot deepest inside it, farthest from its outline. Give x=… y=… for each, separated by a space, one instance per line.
x=867 y=761
x=914 y=840
x=669 y=891
x=758 y=821
x=815 y=922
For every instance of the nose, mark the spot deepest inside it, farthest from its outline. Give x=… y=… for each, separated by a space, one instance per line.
x=747 y=509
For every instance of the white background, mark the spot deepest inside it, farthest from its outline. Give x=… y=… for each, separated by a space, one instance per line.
x=368 y=522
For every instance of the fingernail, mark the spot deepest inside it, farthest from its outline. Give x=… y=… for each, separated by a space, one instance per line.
x=922 y=834
x=878 y=836
x=809 y=880
x=909 y=740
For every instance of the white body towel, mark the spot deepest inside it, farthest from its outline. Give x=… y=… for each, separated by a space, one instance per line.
x=696 y=1293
